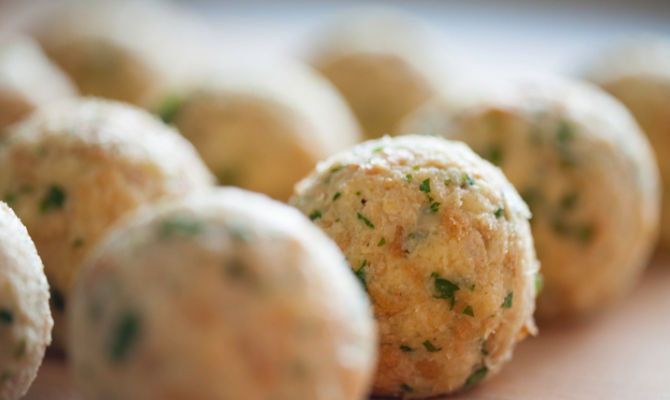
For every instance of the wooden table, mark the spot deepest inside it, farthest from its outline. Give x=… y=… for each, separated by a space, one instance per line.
x=623 y=353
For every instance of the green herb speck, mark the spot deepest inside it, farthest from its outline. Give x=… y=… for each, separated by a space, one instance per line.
x=445 y=289
x=499 y=212
x=382 y=242
x=408 y=178
x=236 y=269
x=57 y=300
x=539 y=282
x=228 y=176
x=54 y=198
x=377 y=149
x=169 y=107
x=416 y=167
x=21 y=348
x=337 y=196
x=360 y=274
x=467 y=180
x=472 y=287
x=316 y=214
x=407 y=388
x=507 y=303
x=179 y=225
x=476 y=376
x=406 y=349
x=468 y=311
x=78 y=242
x=584 y=233
x=9 y=198
x=431 y=347
x=124 y=336
x=6 y=316
x=365 y=220
x=435 y=207
x=565 y=132
x=569 y=200
x=494 y=155
x=425 y=186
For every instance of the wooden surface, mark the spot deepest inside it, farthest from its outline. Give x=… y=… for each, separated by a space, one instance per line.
x=623 y=353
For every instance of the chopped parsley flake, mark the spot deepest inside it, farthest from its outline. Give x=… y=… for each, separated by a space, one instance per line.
x=57 y=300
x=416 y=167
x=585 y=233
x=569 y=200
x=539 y=282
x=236 y=269
x=447 y=182
x=169 y=108
x=565 y=132
x=499 y=212
x=435 y=207
x=54 y=198
x=476 y=376
x=179 y=225
x=406 y=387
x=408 y=178
x=360 y=274
x=21 y=348
x=507 y=303
x=382 y=242
x=494 y=155
x=406 y=349
x=124 y=336
x=78 y=242
x=365 y=220
x=316 y=214
x=229 y=176
x=468 y=311
x=431 y=347
x=337 y=196
x=377 y=149
x=425 y=186
x=444 y=288
x=332 y=172
x=9 y=198
x=467 y=180
x=6 y=316
x=472 y=287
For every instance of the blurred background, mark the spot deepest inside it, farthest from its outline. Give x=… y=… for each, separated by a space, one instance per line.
x=501 y=37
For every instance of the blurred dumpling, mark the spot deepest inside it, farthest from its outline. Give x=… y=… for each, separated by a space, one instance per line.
x=223 y=295
x=638 y=74
x=263 y=130
x=27 y=80
x=585 y=169
x=122 y=50
x=378 y=60
x=25 y=319
x=73 y=168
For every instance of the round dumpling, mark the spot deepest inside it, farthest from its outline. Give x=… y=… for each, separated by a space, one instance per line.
x=263 y=131
x=588 y=175
x=638 y=75
x=256 y=301
x=25 y=319
x=441 y=241
x=73 y=168
x=125 y=50
x=376 y=59
x=27 y=80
